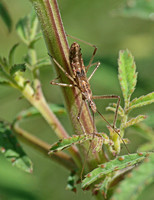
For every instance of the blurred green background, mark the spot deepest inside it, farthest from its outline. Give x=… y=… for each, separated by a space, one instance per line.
x=99 y=23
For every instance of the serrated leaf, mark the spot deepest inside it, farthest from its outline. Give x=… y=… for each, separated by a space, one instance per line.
x=135 y=120
x=17 y=67
x=67 y=142
x=119 y=163
x=127 y=74
x=71 y=185
x=98 y=140
x=136 y=182
x=11 y=54
x=11 y=150
x=142 y=101
x=5 y=15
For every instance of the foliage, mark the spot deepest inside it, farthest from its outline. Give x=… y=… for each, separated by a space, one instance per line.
x=138 y=180
x=100 y=174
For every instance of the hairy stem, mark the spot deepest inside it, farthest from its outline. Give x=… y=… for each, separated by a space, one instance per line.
x=44 y=147
x=56 y=42
x=36 y=98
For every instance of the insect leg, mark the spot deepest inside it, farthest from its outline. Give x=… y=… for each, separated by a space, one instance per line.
x=115 y=116
x=62 y=69
x=117 y=107
x=97 y=65
x=79 y=116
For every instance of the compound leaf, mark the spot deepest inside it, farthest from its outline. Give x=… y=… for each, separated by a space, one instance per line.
x=67 y=142
x=111 y=166
x=135 y=120
x=127 y=74
x=136 y=181
x=142 y=101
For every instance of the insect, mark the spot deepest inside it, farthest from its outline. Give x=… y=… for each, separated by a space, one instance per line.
x=80 y=80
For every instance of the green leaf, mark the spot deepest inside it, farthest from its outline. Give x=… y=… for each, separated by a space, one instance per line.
x=112 y=166
x=5 y=15
x=103 y=186
x=67 y=142
x=127 y=74
x=11 y=149
x=142 y=101
x=71 y=184
x=98 y=140
x=11 y=54
x=135 y=120
x=112 y=107
x=27 y=29
x=17 y=67
x=15 y=184
x=142 y=9
x=136 y=181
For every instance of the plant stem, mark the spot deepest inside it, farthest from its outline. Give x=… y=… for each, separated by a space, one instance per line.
x=37 y=99
x=57 y=45
x=44 y=148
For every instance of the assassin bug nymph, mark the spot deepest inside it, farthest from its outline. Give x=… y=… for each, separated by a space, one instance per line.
x=80 y=80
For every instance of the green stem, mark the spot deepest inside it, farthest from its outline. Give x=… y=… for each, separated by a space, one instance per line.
x=44 y=147
x=37 y=99
x=55 y=38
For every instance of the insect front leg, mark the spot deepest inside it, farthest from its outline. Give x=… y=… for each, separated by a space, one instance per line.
x=97 y=65
x=62 y=69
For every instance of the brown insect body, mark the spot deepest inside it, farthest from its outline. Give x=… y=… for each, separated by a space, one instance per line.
x=81 y=81
x=79 y=74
